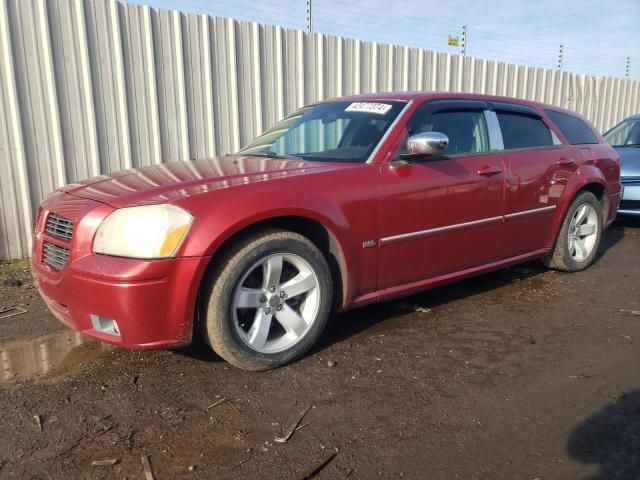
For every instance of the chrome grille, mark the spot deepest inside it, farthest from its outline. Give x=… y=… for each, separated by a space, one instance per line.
x=54 y=256
x=59 y=227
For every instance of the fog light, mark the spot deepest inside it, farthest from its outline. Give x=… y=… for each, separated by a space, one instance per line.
x=105 y=325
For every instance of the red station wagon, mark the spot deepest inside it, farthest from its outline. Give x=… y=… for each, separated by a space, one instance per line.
x=344 y=203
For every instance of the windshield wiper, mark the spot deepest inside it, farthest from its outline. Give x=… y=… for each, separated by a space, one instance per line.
x=633 y=145
x=272 y=154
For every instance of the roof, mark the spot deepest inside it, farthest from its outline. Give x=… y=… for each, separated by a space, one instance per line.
x=426 y=95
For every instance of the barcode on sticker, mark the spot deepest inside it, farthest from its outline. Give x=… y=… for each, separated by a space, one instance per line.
x=369 y=107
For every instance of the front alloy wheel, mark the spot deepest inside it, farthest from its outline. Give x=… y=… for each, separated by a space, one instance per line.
x=276 y=303
x=267 y=301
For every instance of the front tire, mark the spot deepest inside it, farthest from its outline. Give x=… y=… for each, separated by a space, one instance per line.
x=268 y=301
x=579 y=236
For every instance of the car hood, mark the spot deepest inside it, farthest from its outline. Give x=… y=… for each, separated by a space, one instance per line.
x=171 y=181
x=629 y=161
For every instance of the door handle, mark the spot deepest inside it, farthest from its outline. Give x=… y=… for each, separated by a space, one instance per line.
x=565 y=162
x=488 y=170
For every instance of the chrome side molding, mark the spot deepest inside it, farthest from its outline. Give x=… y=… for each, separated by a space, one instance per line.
x=526 y=213
x=484 y=221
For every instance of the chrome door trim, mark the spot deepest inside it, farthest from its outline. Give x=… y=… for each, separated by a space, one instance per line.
x=389 y=130
x=526 y=213
x=431 y=231
x=447 y=228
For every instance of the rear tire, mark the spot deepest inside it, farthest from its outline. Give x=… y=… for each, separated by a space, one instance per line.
x=579 y=236
x=268 y=301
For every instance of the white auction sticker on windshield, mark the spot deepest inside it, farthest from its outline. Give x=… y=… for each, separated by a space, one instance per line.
x=369 y=107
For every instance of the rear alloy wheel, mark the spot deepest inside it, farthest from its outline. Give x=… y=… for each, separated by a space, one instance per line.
x=583 y=232
x=269 y=301
x=579 y=235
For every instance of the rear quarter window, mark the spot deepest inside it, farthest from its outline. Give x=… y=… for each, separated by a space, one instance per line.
x=523 y=131
x=576 y=131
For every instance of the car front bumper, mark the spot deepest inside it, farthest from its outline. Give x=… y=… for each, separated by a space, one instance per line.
x=134 y=303
x=630 y=202
x=152 y=302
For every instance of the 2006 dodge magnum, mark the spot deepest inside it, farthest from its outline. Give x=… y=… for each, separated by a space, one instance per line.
x=344 y=203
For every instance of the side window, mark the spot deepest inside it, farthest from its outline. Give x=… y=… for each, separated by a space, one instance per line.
x=634 y=135
x=625 y=133
x=523 y=131
x=576 y=131
x=466 y=130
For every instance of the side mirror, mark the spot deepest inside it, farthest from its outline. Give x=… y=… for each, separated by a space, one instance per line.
x=427 y=143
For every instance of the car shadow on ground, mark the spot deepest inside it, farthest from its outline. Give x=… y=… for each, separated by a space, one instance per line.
x=199 y=350
x=610 y=439
x=343 y=326
x=611 y=236
x=351 y=323
x=627 y=221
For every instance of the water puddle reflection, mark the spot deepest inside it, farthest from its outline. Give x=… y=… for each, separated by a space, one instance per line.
x=46 y=355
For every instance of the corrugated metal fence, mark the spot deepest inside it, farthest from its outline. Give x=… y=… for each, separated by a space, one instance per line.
x=93 y=86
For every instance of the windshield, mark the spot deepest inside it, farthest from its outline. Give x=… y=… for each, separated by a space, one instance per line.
x=625 y=134
x=328 y=132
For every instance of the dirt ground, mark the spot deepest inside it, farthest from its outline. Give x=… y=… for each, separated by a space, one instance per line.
x=519 y=374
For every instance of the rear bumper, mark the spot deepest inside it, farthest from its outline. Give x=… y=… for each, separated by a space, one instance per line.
x=153 y=302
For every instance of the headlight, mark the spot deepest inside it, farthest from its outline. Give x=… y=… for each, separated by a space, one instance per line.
x=148 y=231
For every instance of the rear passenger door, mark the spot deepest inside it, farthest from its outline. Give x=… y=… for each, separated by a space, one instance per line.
x=538 y=166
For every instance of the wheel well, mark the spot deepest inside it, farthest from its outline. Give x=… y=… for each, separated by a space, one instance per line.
x=596 y=189
x=315 y=231
x=599 y=191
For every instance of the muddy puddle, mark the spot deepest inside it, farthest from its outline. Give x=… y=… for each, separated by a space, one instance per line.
x=46 y=356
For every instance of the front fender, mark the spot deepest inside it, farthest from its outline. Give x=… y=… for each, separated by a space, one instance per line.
x=222 y=228
x=334 y=222
x=344 y=203
x=584 y=175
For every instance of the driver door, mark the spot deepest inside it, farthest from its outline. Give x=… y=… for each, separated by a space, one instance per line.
x=441 y=215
